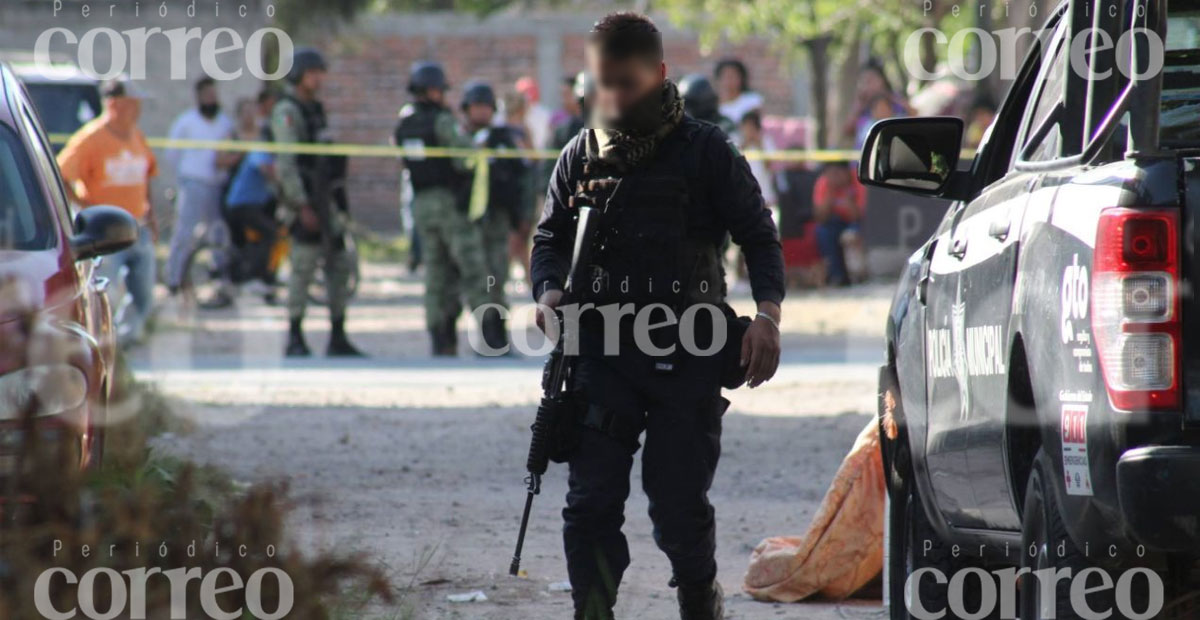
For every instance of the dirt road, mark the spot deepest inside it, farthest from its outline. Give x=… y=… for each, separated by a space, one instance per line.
x=420 y=463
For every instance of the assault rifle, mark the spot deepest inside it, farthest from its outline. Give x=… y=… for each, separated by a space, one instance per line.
x=323 y=182
x=557 y=408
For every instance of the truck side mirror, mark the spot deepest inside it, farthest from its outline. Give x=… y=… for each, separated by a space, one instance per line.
x=916 y=155
x=102 y=230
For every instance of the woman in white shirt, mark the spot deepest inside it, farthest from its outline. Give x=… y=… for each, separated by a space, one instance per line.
x=733 y=86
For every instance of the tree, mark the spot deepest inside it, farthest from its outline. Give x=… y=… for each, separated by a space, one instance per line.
x=295 y=13
x=822 y=31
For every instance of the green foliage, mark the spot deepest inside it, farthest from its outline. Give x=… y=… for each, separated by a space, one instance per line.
x=294 y=13
x=793 y=23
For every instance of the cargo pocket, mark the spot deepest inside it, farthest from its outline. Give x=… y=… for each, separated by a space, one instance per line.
x=712 y=432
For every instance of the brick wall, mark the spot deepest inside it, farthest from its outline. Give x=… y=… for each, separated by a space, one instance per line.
x=23 y=21
x=370 y=61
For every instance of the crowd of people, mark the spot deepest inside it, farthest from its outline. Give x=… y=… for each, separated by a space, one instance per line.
x=254 y=207
x=238 y=203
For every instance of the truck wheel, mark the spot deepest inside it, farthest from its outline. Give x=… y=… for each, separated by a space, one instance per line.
x=1042 y=530
x=909 y=533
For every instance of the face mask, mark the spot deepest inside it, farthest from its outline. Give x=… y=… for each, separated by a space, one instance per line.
x=209 y=110
x=643 y=117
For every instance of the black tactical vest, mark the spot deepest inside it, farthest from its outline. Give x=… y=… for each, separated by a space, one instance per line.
x=507 y=175
x=417 y=129
x=316 y=126
x=657 y=246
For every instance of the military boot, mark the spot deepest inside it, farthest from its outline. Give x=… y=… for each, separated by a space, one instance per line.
x=598 y=607
x=495 y=333
x=700 y=601
x=595 y=614
x=445 y=340
x=296 y=347
x=339 y=344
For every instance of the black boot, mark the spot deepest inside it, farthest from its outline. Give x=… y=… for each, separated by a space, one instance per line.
x=701 y=601
x=597 y=607
x=339 y=344
x=296 y=347
x=594 y=614
x=495 y=333
x=445 y=339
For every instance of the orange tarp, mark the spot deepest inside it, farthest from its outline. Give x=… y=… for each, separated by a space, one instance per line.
x=843 y=549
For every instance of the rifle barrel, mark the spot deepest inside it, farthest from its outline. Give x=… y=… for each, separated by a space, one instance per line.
x=515 y=568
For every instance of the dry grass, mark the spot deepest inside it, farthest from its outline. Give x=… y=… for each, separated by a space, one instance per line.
x=143 y=511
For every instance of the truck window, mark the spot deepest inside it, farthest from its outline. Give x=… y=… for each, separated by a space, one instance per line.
x=1179 y=107
x=1048 y=97
x=996 y=155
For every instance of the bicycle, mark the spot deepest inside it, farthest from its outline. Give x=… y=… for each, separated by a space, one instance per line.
x=204 y=277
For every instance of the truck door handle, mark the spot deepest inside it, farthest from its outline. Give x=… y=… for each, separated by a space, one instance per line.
x=998 y=229
x=959 y=248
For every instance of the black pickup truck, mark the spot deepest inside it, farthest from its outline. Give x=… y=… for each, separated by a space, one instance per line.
x=1040 y=403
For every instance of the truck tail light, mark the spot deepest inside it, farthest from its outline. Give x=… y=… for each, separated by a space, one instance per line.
x=1135 y=307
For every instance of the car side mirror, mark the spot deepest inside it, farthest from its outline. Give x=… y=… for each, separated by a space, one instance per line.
x=102 y=230
x=916 y=155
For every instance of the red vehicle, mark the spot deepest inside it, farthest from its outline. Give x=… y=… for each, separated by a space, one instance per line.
x=56 y=339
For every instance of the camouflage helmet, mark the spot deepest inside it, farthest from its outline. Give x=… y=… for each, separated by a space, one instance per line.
x=426 y=75
x=305 y=59
x=478 y=92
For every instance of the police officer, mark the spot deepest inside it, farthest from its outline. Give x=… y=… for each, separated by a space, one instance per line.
x=507 y=176
x=700 y=100
x=671 y=188
x=452 y=245
x=309 y=190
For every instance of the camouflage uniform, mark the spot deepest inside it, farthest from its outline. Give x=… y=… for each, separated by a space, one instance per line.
x=509 y=198
x=452 y=246
x=291 y=125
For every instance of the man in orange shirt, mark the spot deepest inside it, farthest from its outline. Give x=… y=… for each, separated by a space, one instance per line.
x=107 y=162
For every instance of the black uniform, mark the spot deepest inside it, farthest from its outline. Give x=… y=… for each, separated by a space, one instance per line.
x=665 y=225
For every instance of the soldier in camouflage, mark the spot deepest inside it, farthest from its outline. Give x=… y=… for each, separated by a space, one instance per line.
x=307 y=190
x=452 y=245
x=508 y=177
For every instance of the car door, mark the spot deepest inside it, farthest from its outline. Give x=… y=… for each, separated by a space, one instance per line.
x=91 y=304
x=991 y=227
x=971 y=273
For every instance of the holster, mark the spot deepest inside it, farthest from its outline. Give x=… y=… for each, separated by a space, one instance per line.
x=566 y=411
x=604 y=420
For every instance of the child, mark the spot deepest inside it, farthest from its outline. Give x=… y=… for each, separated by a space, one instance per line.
x=753 y=139
x=839 y=201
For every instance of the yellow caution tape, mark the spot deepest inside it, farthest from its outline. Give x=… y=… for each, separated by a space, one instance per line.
x=381 y=150
x=480 y=187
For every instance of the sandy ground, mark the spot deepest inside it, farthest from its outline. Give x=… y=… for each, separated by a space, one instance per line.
x=420 y=463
